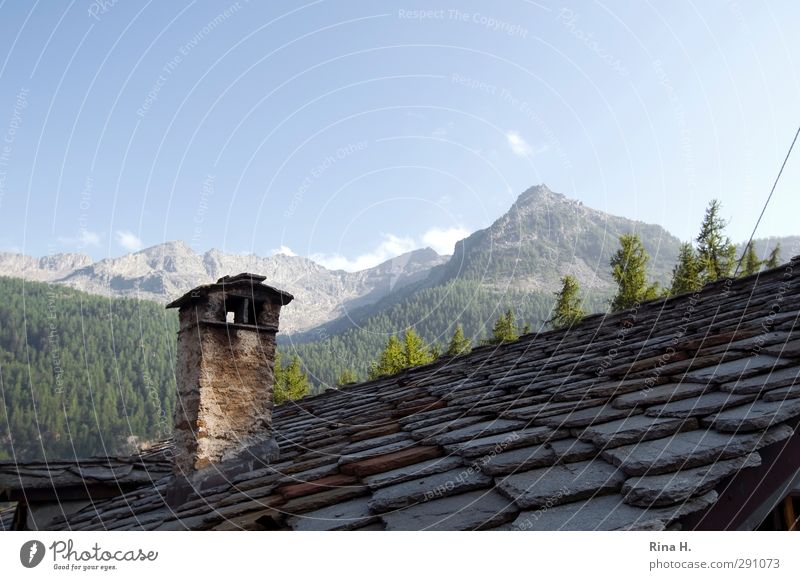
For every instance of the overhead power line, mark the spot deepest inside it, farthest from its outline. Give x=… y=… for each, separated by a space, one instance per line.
x=766 y=203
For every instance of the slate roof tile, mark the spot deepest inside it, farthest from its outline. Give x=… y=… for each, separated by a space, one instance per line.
x=389 y=461
x=476 y=430
x=661 y=394
x=736 y=369
x=633 y=429
x=764 y=382
x=563 y=483
x=348 y=515
x=782 y=394
x=469 y=511
x=413 y=471
x=607 y=512
x=585 y=417
x=755 y=416
x=503 y=441
x=673 y=488
x=705 y=404
x=689 y=449
x=413 y=491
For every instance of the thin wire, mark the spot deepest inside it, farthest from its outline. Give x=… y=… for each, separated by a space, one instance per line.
x=774 y=185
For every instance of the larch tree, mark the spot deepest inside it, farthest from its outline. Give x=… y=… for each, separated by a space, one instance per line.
x=750 y=262
x=391 y=360
x=459 y=344
x=291 y=382
x=346 y=377
x=629 y=270
x=567 y=310
x=415 y=351
x=504 y=329
x=716 y=254
x=397 y=355
x=686 y=273
x=774 y=257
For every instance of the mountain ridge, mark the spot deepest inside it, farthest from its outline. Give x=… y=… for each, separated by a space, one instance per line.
x=163 y=272
x=543 y=236
x=546 y=235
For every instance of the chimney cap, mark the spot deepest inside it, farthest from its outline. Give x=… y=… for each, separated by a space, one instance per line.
x=244 y=276
x=244 y=282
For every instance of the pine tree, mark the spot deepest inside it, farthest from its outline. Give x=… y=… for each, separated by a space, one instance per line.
x=504 y=329
x=459 y=344
x=751 y=263
x=397 y=356
x=774 y=257
x=291 y=383
x=716 y=254
x=415 y=351
x=391 y=361
x=567 y=310
x=347 y=377
x=629 y=269
x=686 y=273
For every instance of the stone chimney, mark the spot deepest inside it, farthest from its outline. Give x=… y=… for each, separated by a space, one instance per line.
x=226 y=354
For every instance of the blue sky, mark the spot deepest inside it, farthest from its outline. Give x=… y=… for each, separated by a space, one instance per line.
x=353 y=131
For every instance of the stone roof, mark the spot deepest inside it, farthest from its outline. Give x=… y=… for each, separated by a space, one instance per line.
x=68 y=478
x=634 y=420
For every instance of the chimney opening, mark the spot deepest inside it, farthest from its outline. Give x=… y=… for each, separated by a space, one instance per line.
x=241 y=310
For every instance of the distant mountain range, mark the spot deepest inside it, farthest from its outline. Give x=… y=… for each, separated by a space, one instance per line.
x=543 y=236
x=163 y=272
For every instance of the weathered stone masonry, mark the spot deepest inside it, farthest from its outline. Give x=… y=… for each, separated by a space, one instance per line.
x=226 y=353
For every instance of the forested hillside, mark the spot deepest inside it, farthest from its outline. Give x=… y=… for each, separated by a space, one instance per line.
x=81 y=374
x=433 y=313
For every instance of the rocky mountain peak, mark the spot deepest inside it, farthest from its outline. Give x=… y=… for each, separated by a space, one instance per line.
x=538 y=193
x=167 y=270
x=546 y=235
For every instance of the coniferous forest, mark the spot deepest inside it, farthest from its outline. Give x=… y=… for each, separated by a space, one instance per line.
x=84 y=375
x=81 y=374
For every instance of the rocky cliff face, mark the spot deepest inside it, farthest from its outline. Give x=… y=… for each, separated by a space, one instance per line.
x=44 y=269
x=546 y=235
x=164 y=272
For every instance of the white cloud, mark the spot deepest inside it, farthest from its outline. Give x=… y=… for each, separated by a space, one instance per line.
x=87 y=238
x=83 y=239
x=518 y=144
x=521 y=147
x=128 y=240
x=443 y=240
x=389 y=247
x=285 y=250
